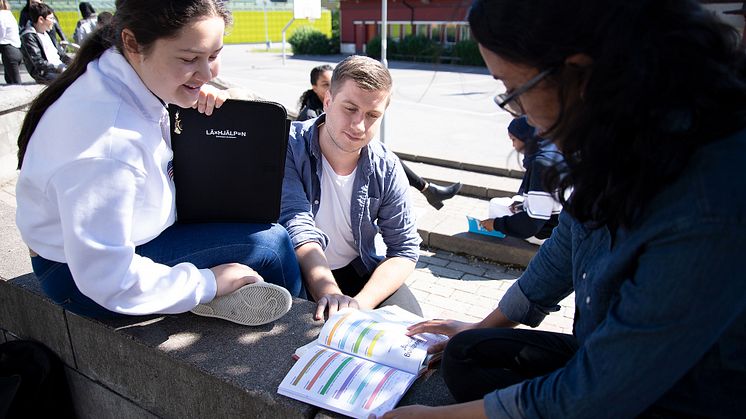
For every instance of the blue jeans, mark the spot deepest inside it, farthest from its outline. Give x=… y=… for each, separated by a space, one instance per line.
x=266 y=248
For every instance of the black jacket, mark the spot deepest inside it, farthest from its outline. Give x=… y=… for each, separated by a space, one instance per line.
x=311 y=108
x=34 y=57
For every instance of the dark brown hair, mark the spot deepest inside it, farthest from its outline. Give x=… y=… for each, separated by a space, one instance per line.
x=666 y=78
x=147 y=19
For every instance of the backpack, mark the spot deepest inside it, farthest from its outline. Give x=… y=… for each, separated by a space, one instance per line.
x=32 y=382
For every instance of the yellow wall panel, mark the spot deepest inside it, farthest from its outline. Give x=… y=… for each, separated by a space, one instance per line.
x=248 y=25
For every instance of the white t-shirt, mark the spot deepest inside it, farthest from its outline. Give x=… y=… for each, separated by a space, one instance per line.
x=333 y=216
x=49 y=49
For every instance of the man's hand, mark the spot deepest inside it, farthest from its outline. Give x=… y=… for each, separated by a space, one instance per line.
x=333 y=303
x=210 y=98
x=443 y=327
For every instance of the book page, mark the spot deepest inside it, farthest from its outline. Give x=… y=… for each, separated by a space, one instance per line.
x=344 y=383
x=379 y=335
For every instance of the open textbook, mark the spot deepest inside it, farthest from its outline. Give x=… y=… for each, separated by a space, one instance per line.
x=361 y=363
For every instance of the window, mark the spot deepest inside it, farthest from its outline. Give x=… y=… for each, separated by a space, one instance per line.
x=436 y=32
x=465 y=33
x=450 y=34
x=395 y=32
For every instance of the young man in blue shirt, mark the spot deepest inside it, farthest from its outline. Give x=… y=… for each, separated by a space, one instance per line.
x=342 y=189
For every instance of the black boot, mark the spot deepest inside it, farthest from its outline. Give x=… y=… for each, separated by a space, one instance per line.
x=436 y=194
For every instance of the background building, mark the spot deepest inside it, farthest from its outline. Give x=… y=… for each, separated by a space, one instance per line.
x=441 y=20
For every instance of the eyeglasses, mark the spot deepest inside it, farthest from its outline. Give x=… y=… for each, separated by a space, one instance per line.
x=511 y=103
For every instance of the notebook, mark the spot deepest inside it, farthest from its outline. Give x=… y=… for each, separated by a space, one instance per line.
x=228 y=167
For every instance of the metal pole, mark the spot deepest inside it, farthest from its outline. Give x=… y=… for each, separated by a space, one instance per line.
x=266 y=26
x=384 y=61
x=283 y=38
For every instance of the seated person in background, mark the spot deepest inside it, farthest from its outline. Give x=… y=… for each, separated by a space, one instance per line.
x=535 y=214
x=44 y=60
x=86 y=25
x=312 y=105
x=24 y=19
x=342 y=189
x=311 y=102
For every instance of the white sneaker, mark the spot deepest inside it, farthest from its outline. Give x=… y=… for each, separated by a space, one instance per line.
x=251 y=305
x=534 y=240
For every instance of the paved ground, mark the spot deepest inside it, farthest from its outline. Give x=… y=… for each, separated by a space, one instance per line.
x=456 y=120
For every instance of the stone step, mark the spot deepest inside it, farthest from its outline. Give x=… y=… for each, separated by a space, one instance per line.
x=476 y=184
x=447 y=229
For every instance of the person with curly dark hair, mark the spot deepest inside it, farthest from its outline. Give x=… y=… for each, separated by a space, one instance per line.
x=647 y=101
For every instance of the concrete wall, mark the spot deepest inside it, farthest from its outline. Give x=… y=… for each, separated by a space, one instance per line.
x=176 y=365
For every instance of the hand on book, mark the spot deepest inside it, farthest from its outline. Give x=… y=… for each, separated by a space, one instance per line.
x=443 y=327
x=413 y=411
x=210 y=98
x=332 y=303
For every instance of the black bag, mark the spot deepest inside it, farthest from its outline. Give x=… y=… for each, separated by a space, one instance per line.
x=32 y=382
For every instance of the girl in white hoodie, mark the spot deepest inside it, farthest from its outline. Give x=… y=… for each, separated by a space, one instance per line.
x=95 y=199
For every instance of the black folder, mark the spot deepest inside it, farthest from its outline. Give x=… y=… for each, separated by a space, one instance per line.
x=228 y=167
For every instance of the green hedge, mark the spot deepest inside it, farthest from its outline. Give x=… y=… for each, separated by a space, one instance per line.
x=468 y=52
x=422 y=48
x=309 y=41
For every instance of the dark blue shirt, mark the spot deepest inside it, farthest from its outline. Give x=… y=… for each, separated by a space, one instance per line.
x=660 y=309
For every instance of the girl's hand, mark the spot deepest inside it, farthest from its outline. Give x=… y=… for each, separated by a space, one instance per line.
x=443 y=327
x=210 y=98
x=232 y=276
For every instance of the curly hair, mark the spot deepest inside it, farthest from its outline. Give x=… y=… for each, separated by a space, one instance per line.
x=667 y=77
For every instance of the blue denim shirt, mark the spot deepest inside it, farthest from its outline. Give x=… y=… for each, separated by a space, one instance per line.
x=660 y=311
x=380 y=198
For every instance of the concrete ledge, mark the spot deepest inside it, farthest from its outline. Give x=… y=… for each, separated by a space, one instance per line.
x=175 y=365
x=14 y=101
x=26 y=313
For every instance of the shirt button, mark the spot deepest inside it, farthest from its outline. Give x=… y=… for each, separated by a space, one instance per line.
x=588 y=299
x=316 y=202
x=584 y=275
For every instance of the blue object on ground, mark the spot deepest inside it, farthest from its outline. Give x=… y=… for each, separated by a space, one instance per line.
x=475 y=227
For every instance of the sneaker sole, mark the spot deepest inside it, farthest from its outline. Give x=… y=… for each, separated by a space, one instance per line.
x=251 y=305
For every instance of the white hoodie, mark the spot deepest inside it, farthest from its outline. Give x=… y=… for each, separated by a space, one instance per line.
x=94 y=185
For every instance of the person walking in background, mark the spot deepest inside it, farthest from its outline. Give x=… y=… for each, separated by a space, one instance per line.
x=96 y=201
x=534 y=213
x=342 y=189
x=311 y=105
x=43 y=58
x=647 y=102
x=87 y=24
x=10 y=44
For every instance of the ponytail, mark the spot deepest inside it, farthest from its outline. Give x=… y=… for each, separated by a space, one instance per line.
x=305 y=97
x=147 y=19
x=95 y=45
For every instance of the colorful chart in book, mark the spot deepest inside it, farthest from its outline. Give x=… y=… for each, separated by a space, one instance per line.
x=362 y=336
x=349 y=382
